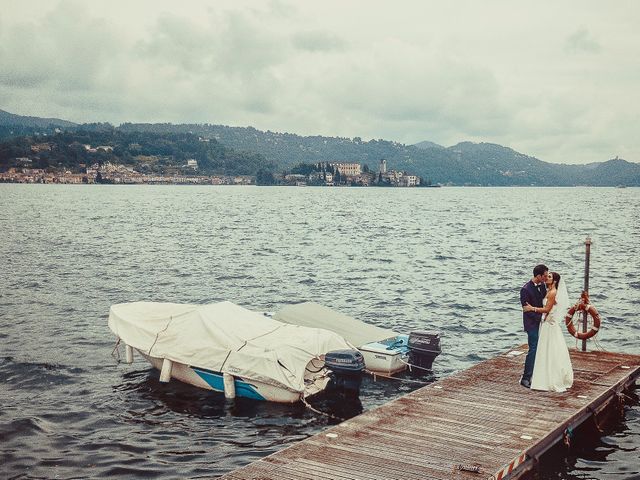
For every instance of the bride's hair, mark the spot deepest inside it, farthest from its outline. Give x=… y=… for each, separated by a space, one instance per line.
x=556 y=278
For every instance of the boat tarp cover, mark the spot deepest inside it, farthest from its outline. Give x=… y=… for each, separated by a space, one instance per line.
x=310 y=314
x=224 y=337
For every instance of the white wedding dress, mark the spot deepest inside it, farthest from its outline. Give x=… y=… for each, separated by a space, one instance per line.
x=552 y=370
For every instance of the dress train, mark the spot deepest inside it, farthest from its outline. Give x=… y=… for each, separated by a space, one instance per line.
x=552 y=370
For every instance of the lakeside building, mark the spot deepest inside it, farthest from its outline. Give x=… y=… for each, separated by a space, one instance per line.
x=410 y=181
x=346 y=174
x=103 y=148
x=397 y=178
x=348 y=169
x=37 y=175
x=118 y=174
x=391 y=178
x=321 y=174
x=320 y=178
x=364 y=179
x=41 y=147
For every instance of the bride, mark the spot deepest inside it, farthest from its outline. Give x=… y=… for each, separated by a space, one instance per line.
x=552 y=370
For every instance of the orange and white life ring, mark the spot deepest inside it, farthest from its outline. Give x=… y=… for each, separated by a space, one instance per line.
x=583 y=306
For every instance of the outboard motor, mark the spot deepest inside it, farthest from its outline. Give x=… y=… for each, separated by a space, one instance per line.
x=424 y=347
x=346 y=371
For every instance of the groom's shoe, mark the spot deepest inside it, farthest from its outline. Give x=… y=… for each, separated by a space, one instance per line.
x=525 y=382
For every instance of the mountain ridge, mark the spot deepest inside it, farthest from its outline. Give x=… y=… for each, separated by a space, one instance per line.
x=425 y=144
x=466 y=163
x=12 y=119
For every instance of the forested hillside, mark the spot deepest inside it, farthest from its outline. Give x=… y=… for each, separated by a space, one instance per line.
x=147 y=152
x=466 y=163
x=246 y=150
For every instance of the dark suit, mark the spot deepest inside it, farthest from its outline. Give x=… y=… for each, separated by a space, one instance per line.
x=532 y=295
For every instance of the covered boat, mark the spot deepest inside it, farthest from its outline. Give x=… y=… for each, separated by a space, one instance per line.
x=384 y=350
x=225 y=347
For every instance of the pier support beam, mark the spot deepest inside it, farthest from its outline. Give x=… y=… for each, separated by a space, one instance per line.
x=229 y=386
x=128 y=353
x=165 y=373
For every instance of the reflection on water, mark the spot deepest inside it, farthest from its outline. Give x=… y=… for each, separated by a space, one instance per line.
x=449 y=259
x=177 y=397
x=599 y=449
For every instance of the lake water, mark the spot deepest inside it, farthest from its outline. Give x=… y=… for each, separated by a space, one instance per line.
x=450 y=259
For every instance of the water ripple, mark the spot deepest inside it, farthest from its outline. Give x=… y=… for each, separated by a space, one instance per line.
x=450 y=259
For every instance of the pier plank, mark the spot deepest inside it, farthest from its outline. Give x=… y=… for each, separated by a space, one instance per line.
x=477 y=417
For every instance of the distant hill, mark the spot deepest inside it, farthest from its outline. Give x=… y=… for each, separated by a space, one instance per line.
x=427 y=144
x=9 y=119
x=12 y=125
x=498 y=165
x=285 y=149
x=153 y=153
x=467 y=163
x=612 y=172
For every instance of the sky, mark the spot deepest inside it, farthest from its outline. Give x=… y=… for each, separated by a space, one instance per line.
x=556 y=80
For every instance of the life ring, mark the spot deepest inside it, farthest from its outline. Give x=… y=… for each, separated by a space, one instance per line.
x=583 y=306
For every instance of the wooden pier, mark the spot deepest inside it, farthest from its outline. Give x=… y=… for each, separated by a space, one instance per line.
x=477 y=424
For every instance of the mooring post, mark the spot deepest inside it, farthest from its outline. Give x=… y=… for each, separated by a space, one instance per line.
x=587 y=257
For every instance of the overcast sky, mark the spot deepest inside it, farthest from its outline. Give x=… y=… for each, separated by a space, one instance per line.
x=556 y=80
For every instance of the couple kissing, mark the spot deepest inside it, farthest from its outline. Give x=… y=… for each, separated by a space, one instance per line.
x=545 y=302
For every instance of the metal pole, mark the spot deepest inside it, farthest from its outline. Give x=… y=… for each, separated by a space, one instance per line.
x=587 y=257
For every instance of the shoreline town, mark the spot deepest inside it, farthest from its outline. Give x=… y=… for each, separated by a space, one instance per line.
x=321 y=174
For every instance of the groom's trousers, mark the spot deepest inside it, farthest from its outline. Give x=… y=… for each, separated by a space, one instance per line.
x=532 y=339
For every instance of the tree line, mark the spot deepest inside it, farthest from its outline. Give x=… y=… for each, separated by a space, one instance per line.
x=146 y=152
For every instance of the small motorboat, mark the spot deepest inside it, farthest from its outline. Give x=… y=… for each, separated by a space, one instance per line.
x=384 y=350
x=227 y=348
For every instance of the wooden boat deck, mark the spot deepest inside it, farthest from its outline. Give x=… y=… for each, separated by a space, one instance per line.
x=479 y=418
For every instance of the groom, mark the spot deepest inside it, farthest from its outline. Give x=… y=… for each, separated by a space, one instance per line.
x=533 y=292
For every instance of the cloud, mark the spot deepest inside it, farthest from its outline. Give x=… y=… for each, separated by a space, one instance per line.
x=68 y=49
x=318 y=41
x=582 y=41
x=218 y=70
x=421 y=92
x=233 y=43
x=422 y=71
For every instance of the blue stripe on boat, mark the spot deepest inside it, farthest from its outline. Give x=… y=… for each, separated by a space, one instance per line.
x=215 y=381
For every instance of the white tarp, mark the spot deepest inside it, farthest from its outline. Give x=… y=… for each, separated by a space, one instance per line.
x=310 y=314
x=223 y=337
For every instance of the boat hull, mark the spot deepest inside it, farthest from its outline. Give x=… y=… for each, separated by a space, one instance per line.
x=388 y=357
x=385 y=363
x=247 y=388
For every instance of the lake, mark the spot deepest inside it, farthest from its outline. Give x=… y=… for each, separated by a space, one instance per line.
x=447 y=259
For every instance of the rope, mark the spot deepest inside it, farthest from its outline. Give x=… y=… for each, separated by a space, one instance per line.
x=319 y=369
x=597 y=343
x=158 y=334
x=578 y=323
x=319 y=412
x=410 y=365
x=116 y=350
x=622 y=394
x=406 y=380
x=595 y=420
